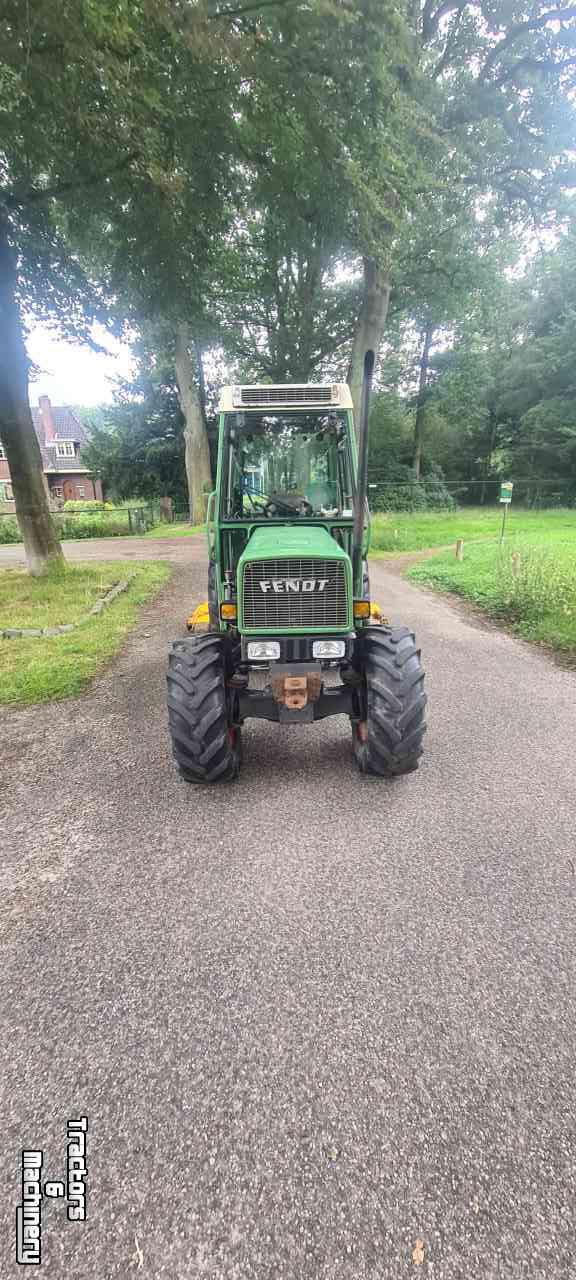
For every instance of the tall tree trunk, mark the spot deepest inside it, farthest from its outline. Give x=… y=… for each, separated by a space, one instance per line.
x=198 y=470
x=201 y=378
x=427 y=338
x=370 y=327
x=16 y=427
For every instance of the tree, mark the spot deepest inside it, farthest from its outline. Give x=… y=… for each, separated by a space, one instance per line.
x=450 y=266
x=103 y=101
x=464 y=392
x=535 y=388
x=137 y=443
x=69 y=128
x=155 y=248
x=483 y=106
x=16 y=427
x=286 y=307
x=407 y=106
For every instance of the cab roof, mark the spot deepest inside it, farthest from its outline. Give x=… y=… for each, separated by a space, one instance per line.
x=288 y=395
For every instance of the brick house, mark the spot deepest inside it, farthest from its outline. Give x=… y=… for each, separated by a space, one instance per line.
x=61 y=437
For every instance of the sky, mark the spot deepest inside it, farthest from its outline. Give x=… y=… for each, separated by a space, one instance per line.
x=70 y=373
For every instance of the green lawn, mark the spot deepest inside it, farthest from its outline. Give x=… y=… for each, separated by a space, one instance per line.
x=39 y=670
x=182 y=530
x=35 y=602
x=405 y=531
x=538 y=603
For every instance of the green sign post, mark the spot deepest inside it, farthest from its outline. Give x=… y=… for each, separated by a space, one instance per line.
x=505 y=498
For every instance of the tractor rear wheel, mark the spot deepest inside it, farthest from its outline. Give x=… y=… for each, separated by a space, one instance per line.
x=389 y=728
x=205 y=743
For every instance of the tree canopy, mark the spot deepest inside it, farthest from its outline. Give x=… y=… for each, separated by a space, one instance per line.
x=279 y=187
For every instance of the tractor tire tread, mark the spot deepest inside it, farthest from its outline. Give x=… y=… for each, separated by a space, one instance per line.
x=395 y=701
x=197 y=710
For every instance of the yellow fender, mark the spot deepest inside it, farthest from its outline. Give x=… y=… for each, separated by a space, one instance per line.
x=200 y=618
x=376 y=614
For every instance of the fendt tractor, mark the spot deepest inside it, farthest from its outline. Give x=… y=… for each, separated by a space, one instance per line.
x=292 y=634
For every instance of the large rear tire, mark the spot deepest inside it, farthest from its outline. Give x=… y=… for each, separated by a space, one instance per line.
x=388 y=730
x=205 y=743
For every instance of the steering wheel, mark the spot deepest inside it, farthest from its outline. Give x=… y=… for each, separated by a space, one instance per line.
x=273 y=503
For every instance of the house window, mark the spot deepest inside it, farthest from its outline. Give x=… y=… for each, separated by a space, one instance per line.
x=8 y=492
x=57 y=491
x=65 y=448
x=81 y=491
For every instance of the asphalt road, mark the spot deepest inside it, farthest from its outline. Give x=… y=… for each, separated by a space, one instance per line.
x=312 y=1018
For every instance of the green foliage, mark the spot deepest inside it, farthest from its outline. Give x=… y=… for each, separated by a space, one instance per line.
x=539 y=601
x=109 y=522
x=392 y=483
x=9 y=530
x=139 y=449
x=504 y=392
x=86 y=504
x=97 y=525
x=229 y=169
x=406 y=494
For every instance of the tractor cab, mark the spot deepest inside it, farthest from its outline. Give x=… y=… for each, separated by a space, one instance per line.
x=282 y=512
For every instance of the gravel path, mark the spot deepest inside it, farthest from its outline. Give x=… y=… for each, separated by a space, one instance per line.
x=177 y=550
x=312 y=1018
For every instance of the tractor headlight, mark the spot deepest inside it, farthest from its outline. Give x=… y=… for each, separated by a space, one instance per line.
x=258 y=650
x=328 y=648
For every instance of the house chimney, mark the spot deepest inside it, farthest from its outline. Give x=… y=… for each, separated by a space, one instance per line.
x=47 y=419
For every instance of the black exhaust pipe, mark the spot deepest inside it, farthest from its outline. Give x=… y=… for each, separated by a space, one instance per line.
x=362 y=479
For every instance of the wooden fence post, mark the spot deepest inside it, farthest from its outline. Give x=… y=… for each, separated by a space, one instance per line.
x=460 y=549
x=515 y=564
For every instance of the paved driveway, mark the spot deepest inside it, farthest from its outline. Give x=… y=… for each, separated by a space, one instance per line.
x=178 y=550
x=312 y=1018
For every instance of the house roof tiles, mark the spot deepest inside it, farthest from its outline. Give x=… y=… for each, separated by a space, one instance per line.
x=67 y=427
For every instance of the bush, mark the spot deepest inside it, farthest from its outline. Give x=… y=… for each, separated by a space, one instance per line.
x=83 y=504
x=91 y=504
x=401 y=492
x=92 y=525
x=9 y=530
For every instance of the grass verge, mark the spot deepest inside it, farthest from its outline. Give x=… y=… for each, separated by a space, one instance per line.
x=48 y=602
x=538 y=601
x=413 y=531
x=174 y=530
x=40 y=670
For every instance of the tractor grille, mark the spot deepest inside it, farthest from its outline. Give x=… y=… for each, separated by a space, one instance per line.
x=265 y=609
x=286 y=395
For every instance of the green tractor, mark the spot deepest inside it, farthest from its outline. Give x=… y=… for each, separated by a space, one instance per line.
x=291 y=635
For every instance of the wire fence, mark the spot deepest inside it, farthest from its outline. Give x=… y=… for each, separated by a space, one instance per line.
x=90 y=522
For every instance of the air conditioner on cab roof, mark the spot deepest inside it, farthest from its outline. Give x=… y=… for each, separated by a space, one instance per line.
x=291 y=394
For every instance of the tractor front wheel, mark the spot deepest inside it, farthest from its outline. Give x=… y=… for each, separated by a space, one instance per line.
x=388 y=729
x=205 y=743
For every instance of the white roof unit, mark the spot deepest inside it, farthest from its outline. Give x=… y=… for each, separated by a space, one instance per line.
x=290 y=395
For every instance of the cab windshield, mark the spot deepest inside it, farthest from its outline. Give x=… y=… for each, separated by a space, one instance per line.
x=286 y=466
